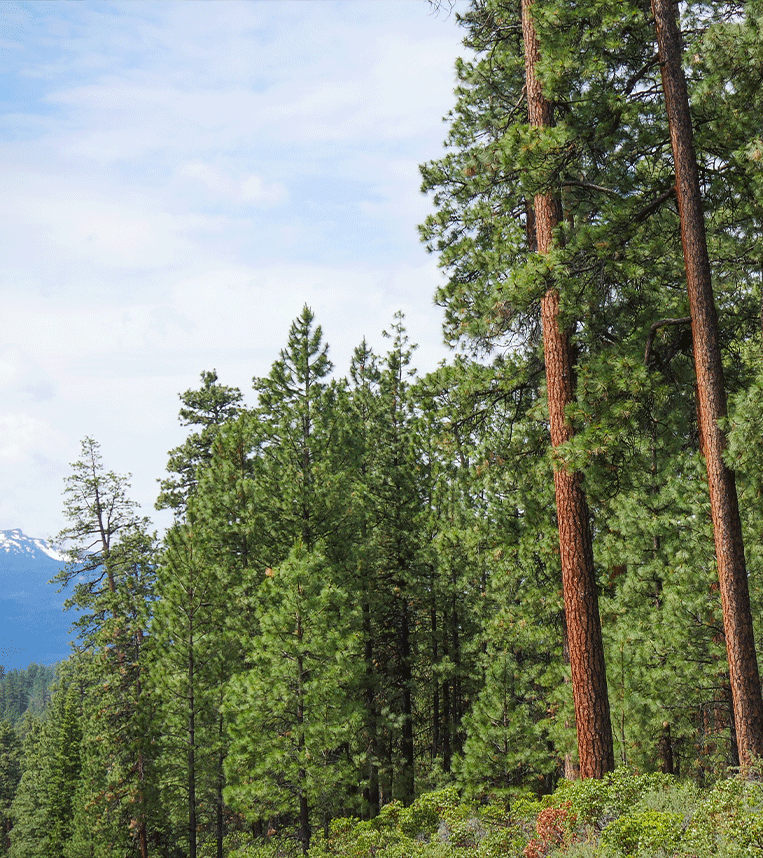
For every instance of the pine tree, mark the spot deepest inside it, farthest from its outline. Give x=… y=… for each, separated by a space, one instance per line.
x=10 y=775
x=394 y=508
x=110 y=561
x=209 y=407
x=31 y=810
x=67 y=765
x=616 y=261
x=190 y=662
x=293 y=722
x=364 y=387
x=299 y=444
x=496 y=550
x=711 y=395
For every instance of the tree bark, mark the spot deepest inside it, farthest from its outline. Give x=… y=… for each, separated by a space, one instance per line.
x=581 y=603
x=727 y=527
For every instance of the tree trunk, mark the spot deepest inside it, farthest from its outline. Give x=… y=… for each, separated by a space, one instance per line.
x=219 y=819
x=304 y=807
x=727 y=527
x=407 y=788
x=191 y=753
x=372 y=718
x=447 y=745
x=581 y=603
x=435 y=747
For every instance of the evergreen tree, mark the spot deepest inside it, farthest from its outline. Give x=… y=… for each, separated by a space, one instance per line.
x=583 y=624
x=111 y=563
x=209 y=407
x=616 y=262
x=393 y=521
x=298 y=445
x=190 y=662
x=66 y=768
x=31 y=810
x=711 y=395
x=293 y=720
x=502 y=666
x=10 y=775
x=43 y=808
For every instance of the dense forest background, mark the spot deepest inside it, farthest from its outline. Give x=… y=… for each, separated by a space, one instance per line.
x=360 y=599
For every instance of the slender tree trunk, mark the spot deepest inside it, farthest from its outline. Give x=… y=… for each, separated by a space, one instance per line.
x=406 y=676
x=435 y=749
x=219 y=820
x=141 y=766
x=372 y=718
x=447 y=743
x=457 y=708
x=191 y=753
x=581 y=603
x=304 y=807
x=727 y=527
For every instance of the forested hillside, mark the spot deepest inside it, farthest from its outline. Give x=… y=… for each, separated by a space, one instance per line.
x=481 y=581
x=25 y=691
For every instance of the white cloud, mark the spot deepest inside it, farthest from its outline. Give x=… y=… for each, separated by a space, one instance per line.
x=24 y=438
x=249 y=188
x=178 y=181
x=21 y=377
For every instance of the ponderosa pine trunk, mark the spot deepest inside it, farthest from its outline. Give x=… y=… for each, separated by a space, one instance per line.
x=727 y=527
x=581 y=603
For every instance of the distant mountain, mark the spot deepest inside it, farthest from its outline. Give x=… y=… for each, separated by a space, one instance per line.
x=33 y=625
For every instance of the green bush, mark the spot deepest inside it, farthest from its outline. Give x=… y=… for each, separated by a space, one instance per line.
x=644 y=831
x=598 y=802
x=423 y=817
x=728 y=822
x=621 y=815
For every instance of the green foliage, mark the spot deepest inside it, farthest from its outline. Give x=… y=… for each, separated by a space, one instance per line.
x=360 y=598
x=298 y=442
x=23 y=691
x=292 y=718
x=728 y=821
x=10 y=775
x=596 y=801
x=31 y=810
x=646 y=831
x=209 y=407
x=436 y=825
x=624 y=815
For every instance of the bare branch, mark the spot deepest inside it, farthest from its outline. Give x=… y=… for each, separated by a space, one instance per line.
x=684 y=320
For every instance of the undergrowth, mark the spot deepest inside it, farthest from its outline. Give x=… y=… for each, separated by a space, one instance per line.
x=624 y=815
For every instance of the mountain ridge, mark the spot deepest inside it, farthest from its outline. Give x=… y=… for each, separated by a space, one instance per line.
x=34 y=628
x=15 y=541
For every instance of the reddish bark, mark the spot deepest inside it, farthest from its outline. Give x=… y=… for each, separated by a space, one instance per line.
x=581 y=603
x=727 y=528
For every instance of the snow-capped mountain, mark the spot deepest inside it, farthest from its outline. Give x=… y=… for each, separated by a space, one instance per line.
x=33 y=624
x=13 y=543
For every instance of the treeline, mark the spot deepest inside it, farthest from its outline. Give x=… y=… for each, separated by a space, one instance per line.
x=24 y=691
x=361 y=596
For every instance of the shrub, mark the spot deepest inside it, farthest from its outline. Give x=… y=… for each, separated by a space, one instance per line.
x=646 y=830
x=728 y=821
x=555 y=829
x=424 y=815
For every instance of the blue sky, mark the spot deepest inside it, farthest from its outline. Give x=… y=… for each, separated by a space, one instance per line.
x=178 y=180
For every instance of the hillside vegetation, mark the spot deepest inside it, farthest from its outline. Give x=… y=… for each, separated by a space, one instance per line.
x=402 y=615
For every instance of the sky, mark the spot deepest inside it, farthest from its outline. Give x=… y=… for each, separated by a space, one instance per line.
x=178 y=180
